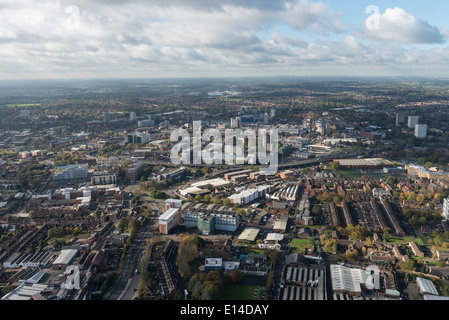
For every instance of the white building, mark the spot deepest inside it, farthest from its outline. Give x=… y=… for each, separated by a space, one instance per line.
x=210 y=217
x=426 y=287
x=421 y=131
x=64 y=259
x=25 y=291
x=348 y=280
x=169 y=219
x=132 y=116
x=247 y=196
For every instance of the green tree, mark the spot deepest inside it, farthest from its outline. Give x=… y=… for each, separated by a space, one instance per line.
x=235 y=276
x=391 y=180
x=335 y=166
x=227 y=202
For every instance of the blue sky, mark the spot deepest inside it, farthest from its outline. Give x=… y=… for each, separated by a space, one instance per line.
x=192 y=38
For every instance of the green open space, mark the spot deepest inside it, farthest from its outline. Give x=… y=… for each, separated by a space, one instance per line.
x=352 y=174
x=301 y=245
x=357 y=174
x=405 y=240
x=241 y=292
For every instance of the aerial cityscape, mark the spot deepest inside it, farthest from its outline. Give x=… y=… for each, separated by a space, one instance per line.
x=247 y=186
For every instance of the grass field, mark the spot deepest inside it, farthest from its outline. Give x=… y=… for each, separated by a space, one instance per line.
x=352 y=174
x=300 y=245
x=401 y=240
x=356 y=174
x=241 y=292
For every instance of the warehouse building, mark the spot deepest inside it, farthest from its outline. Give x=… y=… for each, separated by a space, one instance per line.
x=249 y=235
x=64 y=259
x=244 y=173
x=349 y=281
x=25 y=292
x=426 y=287
x=304 y=283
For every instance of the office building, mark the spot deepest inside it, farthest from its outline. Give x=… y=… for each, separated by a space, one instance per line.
x=169 y=219
x=132 y=116
x=135 y=171
x=421 y=131
x=175 y=175
x=138 y=137
x=71 y=173
x=208 y=218
x=103 y=178
x=247 y=196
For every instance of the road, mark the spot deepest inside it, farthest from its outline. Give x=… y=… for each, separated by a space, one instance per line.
x=126 y=287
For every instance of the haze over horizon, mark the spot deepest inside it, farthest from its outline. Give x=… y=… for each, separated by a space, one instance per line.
x=61 y=39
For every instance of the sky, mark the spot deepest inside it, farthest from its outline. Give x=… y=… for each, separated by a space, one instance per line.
x=66 y=39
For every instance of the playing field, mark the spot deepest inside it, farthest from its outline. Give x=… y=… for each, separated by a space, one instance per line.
x=241 y=292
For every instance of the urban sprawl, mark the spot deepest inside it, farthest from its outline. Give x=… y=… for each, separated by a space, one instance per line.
x=361 y=191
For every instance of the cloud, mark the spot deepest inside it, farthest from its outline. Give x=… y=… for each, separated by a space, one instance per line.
x=398 y=25
x=192 y=37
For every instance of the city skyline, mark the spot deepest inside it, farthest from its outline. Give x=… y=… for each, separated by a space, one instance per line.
x=135 y=39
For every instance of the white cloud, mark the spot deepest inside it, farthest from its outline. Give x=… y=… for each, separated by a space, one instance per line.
x=396 y=24
x=190 y=37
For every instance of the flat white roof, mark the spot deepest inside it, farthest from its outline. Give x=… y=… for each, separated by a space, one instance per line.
x=427 y=286
x=66 y=256
x=214 y=262
x=218 y=182
x=347 y=279
x=280 y=224
x=275 y=237
x=432 y=297
x=167 y=215
x=249 y=234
